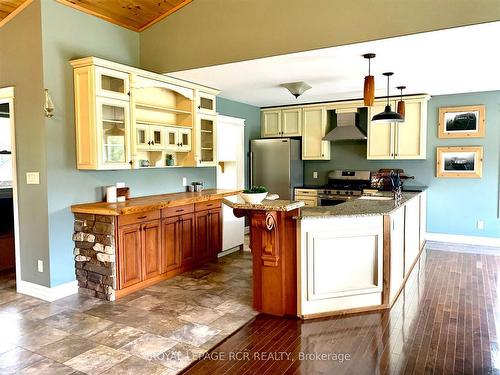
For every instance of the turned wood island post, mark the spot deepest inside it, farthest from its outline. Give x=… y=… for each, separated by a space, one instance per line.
x=273 y=241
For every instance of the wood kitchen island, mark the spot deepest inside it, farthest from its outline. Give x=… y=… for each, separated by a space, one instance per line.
x=124 y=247
x=274 y=253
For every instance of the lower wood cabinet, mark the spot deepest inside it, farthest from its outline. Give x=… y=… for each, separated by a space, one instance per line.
x=152 y=247
x=208 y=233
x=178 y=241
x=129 y=255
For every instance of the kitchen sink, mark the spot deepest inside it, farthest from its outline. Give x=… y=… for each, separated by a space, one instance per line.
x=376 y=197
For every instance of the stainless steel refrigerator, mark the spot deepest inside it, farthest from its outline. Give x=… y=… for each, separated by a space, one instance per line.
x=276 y=164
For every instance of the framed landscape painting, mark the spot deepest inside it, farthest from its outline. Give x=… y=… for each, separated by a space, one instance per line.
x=459 y=162
x=461 y=122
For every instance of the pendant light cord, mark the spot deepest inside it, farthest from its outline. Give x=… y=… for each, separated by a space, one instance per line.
x=388 y=90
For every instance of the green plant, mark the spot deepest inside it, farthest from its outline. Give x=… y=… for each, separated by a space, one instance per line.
x=255 y=190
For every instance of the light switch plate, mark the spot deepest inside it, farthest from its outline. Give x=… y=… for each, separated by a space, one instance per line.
x=480 y=224
x=32 y=178
x=184 y=181
x=40 y=265
x=315 y=174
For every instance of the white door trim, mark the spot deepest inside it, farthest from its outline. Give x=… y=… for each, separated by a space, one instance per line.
x=7 y=96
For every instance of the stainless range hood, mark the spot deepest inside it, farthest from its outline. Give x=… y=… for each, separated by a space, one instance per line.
x=347 y=128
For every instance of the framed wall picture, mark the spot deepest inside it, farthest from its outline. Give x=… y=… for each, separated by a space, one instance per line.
x=459 y=162
x=461 y=122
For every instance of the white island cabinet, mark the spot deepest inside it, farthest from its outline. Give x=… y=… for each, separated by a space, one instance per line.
x=357 y=256
x=340 y=263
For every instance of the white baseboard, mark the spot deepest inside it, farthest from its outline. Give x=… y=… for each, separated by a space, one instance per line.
x=468 y=240
x=45 y=293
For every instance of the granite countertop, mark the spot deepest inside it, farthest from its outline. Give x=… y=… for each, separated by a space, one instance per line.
x=265 y=205
x=356 y=207
x=151 y=202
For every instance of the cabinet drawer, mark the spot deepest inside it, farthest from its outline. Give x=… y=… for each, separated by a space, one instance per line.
x=207 y=205
x=308 y=202
x=178 y=210
x=309 y=192
x=138 y=217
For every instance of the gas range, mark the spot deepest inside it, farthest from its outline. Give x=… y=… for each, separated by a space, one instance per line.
x=343 y=185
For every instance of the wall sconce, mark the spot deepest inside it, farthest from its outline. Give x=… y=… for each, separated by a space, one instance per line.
x=48 y=105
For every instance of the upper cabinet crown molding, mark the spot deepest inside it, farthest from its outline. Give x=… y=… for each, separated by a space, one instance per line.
x=98 y=62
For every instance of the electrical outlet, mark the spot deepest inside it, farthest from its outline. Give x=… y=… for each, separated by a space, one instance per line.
x=40 y=265
x=184 y=181
x=480 y=224
x=315 y=174
x=32 y=178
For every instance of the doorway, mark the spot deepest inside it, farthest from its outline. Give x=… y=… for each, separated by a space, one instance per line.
x=8 y=193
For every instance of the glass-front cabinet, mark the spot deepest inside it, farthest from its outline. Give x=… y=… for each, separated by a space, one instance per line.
x=207 y=140
x=131 y=118
x=112 y=84
x=113 y=132
x=205 y=103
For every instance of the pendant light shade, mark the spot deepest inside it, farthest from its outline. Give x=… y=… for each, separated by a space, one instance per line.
x=369 y=87
x=401 y=103
x=388 y=115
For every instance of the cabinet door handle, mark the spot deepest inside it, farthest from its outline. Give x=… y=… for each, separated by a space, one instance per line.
x=141 y=217
x=199 y=107
x=181 y=210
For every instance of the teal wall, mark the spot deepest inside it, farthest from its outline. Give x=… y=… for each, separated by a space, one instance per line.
x=70 y=34
x=252 y=124
x=21 y=66
x=454 y=205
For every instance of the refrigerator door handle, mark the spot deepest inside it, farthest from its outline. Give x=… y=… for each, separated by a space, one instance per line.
x=250 y=164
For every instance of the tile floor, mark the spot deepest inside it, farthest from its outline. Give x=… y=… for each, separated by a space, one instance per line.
x=159 y=330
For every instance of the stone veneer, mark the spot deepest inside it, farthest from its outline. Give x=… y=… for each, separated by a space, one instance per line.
x=94 y=237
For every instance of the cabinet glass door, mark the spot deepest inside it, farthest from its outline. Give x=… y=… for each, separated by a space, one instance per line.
x=171 y=139
x=207 y=139
x=206 y=103
x=185 y=140
x=113 y=127
x=157 y=137
x=112 y=83
x=141 y=137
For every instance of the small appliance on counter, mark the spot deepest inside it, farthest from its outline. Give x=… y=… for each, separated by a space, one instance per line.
x=195 y=187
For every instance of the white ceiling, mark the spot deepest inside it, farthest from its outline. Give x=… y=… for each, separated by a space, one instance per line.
x=459 y=60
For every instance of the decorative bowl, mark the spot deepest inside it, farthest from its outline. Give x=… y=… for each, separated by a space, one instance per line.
x=253 y=198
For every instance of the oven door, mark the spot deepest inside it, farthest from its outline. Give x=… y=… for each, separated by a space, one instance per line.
x=332 y=200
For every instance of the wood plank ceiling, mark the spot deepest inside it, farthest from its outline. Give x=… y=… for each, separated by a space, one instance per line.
x=8 y=6
x=136 y=15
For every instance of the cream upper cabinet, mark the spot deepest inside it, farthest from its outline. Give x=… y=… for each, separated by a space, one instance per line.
x=291 y=122
x=112 y=83
x=404 y=140
x=128 y=118
x=271 y=123
x=206 y=136
x=314 y=126
x=380 y=138
x=206 y=103
x=113 y=134
x=281 y=123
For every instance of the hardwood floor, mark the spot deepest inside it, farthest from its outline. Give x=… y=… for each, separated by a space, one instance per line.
x=445 y=321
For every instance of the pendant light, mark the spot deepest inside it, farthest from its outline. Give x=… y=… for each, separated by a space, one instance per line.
x=401 y=103
x=388 y=115
x=369 y=88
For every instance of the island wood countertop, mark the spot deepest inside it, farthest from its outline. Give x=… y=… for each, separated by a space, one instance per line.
x=151 y=202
